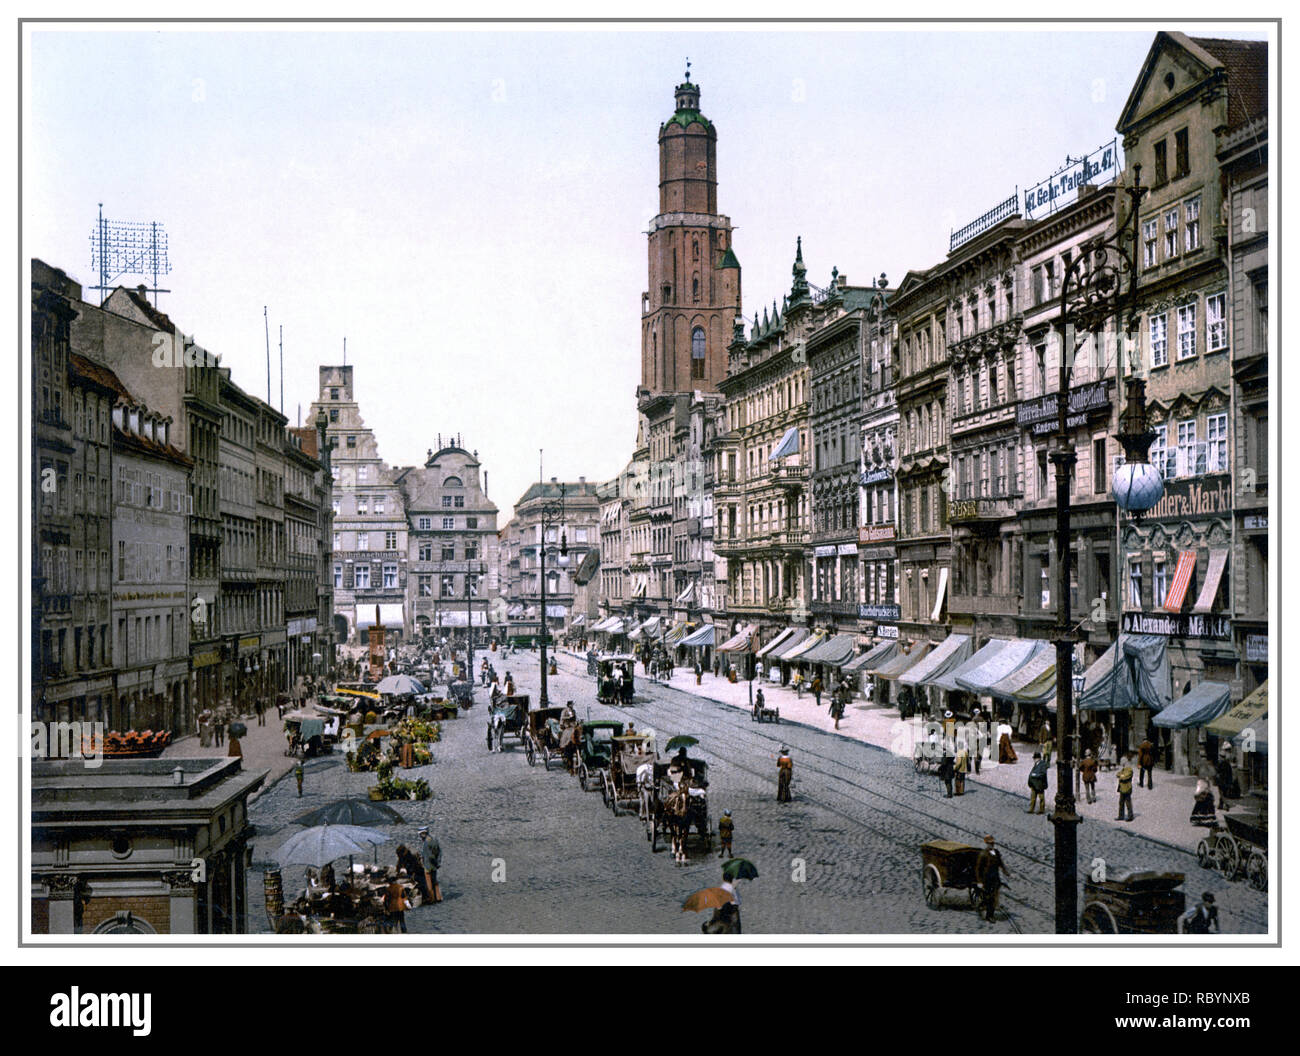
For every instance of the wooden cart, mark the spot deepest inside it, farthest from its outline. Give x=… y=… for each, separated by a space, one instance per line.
x=1133 y=902
x=947 y=865
x=1238 y=846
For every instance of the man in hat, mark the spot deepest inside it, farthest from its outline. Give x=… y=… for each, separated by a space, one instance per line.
x=1037 y=782
x=1202 y=917
x=784 y=775
x=430 y=860
x=726 y=828
x=989 y=868
x=1124 y=787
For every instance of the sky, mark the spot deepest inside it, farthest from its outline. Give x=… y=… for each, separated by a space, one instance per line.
x=469 y=206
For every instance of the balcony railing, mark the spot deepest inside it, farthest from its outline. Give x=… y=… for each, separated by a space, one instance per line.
x=788 y=476
x=792 y=537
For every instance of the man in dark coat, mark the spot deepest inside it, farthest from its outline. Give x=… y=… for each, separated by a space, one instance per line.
x=1038 y=785
x=946 y=768
x=1146 y=762
x=989 y=868
x=1202 y=917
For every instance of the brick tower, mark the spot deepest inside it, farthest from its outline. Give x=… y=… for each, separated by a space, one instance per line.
x=694 y=277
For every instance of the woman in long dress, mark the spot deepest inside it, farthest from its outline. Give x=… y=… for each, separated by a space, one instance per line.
x=1203 y=803
x=1006 y=754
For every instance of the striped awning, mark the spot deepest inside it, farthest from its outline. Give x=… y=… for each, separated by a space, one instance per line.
x=578 y=620
x=675 y=634
x=1245 y=723
x=1034 y=682
x=947 y=655
x=948 y=679
x=833 y=651
x=1210 y=588
x=739 y=642
x=648 y=629
x=902 y=662
x=1182 y=579
x=792 y=643
x=784 y=636
x=1204 y=703
x=881 y=653
x=1010 y=658
x=703 y=637
x=800 y=651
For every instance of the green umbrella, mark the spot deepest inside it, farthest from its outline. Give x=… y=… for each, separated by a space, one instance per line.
x=681 y=742
x=739 y=869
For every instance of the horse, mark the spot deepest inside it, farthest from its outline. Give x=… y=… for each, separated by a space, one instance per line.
x=676 y=816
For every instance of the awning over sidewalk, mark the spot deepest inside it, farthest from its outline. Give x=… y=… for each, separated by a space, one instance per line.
x=902 y=661
x=739 y=642
x=675 y=634
x=833 y=651
x=1205 y=702
x=703 y=637
x=390 y=615
x=1245 y=724
x=800 y=652
x=784 y=636
x=1032 y=683
x=782 y=651
x=456 y=618
x=649 y=629
x=609 y=625
x=948 y=654
x=1010 y=658
x=878 y=654
x=948 y=679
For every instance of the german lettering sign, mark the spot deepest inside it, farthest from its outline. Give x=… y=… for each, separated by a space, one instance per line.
x=876 y=475
x=876 y=533
x=1042 y=414
x=1062 y=187
x=878 y=612
x=1208 y=496
x=1171 y=625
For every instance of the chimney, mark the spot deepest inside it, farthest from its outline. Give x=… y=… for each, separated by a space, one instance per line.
x=582 y=480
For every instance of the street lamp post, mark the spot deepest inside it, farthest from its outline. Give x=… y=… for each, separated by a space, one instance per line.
x=1099 y=285
x=549 y=515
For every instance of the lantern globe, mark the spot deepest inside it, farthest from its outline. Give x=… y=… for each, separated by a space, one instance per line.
x=1137 y=486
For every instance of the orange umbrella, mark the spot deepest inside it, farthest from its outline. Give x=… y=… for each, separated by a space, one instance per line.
x=708 y=898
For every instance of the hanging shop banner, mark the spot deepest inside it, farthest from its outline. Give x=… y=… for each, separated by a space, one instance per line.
x=1062 y=187
x=1208 y=496
x=876 y=533
x=884 y=630
x=1042 y=415
x=879 y=612
x=1181 y=626
x=876 y=475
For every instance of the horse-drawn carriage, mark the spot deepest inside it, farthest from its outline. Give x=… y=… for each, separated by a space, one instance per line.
x=620 y=788
x=1238 y=846
x=1135 y=902
x=675 y=801
x=461 y=693
x=545 y=730
x=595 y=749
x=615 y=679
x=508 y=718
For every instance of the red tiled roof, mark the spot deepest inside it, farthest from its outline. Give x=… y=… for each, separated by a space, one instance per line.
x=307 y=435
x=98 y=374
x=1247 y=64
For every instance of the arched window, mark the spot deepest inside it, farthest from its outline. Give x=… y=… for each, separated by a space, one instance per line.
x=697 y=353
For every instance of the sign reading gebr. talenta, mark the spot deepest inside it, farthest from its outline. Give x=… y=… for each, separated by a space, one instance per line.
x=1062 y=187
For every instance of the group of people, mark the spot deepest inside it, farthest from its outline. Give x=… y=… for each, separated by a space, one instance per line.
x=422 y=868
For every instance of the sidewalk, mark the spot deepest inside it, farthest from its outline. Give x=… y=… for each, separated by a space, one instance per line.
x=263 y=749
x=1159 y=814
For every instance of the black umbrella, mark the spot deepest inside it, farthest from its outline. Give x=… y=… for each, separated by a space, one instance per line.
x=350 y=812
x=238 y=729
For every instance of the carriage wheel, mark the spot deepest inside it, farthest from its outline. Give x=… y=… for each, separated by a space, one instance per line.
x=916 y=763
x=604 y=789
x=582 y=775
x=546 y=759
x=530 y=752
x=1204 y=856
x=1257 y=870
x=930 y=885
x=1097 y=920
x=1229 y=857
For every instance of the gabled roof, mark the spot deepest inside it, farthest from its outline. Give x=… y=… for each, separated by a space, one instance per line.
x=98 y=374
x=1242 y=63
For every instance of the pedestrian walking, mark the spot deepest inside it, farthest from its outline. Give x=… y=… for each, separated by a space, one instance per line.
x=1201 y=917
x=260 y=708
x=430 y=859
x=961 y=767
x=1037 y=785
x=395 y=907
x=980 y=728
x=297 y=776
x=1088 y=773
x=1046 y=742
x=699 y=672
x=946 y=772
x=798 y=684
x=1125 y=789
x=759 y=701
x=1006 y=753
x=837 y=705
x=817 y=689
x=1226 y=781
x=726 y=829
x=784 y=775
x=989 y=868
x=235 y=751
x=1146 y=763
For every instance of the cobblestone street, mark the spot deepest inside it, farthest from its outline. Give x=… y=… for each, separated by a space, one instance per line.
x=842 y=857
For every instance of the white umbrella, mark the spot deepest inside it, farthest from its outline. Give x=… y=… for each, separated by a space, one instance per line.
x=399 y=685
x=322 y=844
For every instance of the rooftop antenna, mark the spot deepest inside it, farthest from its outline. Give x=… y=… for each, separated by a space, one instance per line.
x=122 y=247
x=345 y=351
x=282 y=368
x=267 y=325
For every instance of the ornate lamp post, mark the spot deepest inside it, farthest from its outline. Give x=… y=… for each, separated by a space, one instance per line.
x=1101 y=284
x=549 y=515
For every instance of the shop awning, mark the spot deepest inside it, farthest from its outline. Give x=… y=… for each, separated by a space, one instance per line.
x=1034 y=682
x=798 y=653
x=1108 y=683
x=739 y=642
x=881 y=653
x=649 y=629
x=833 y=652
x=1245 y=724
x=1210 y=589
x=952 y=652
x=457 y=618
x=792 y=643
x=1011 y=657
x=390 y=615
x=599 y=625
x=1148 y=662
x=675 y=634
x=610 y=625
x=698 y=639
x=902 y=661
x=556 y=612
x=947 y=679
x=578 y=620
x=1182 y=579
x=1205 y=702
x=938 y=598
x=687 y=595
x=788 y=446
x=784 y=636
x=514 y=612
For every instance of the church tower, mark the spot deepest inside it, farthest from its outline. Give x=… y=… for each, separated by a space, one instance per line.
x=693 y=298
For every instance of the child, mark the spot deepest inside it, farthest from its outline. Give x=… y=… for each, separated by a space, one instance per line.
x=726 y=827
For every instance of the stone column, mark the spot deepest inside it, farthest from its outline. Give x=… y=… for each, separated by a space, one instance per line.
x=183 y=918
x=62 y=889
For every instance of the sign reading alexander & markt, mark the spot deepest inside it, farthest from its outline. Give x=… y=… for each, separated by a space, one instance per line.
x=1208 y=496
x=879 y=612
x=1170 y=625
x=1042 y=414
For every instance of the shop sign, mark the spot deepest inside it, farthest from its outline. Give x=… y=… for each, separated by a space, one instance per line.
x=879 y=612
x=824 y=551
x=876 y=533
x=1255 y=522
x=876 y=475
x=1209 y=496
x=206 y=659
x=1171 y=625
x=1257 y=648
x=847 y=550
x=884 y=630
x=1062 y=187
x=1042 y=414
